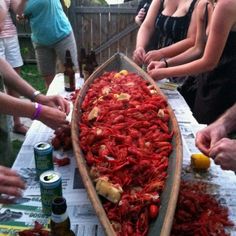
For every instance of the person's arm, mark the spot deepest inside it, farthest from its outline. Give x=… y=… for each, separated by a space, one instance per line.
x=213 y=140
x=15 y=82
x=209 y=136
x=223 y=154
x=197 y=50
x=20 y=7
x=3 y=13
x=140 y=16
x=145 y=31
x=148 y=26
x=140 y=13
x=223 y=19
x=52 y=117
x=228 y=119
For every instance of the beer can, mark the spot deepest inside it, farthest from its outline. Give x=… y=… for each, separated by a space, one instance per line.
x=43 y=157
x=50 y=188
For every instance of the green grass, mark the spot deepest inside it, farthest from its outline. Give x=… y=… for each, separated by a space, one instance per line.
x=30 y=73
x=16 y=145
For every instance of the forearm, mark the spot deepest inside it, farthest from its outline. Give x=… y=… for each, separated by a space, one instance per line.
x=15 y=5
x=177 y=48
x=16 y=107
x=142 y=41
x=228 y=119
x=189 y=55
x=192 y=68
x=20 y=7
x=14 y=81
x=3 y=13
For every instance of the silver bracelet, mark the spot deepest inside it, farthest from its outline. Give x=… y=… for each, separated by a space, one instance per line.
x=35 y=94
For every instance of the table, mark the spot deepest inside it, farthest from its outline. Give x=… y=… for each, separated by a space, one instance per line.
x=84 y=222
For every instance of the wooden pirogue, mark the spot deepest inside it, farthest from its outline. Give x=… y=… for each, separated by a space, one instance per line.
x=162 y=224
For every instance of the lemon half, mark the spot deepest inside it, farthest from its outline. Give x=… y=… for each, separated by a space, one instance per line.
x=200 y=161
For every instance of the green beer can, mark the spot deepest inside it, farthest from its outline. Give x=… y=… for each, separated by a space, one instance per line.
x=43 y=157
x=50 y=188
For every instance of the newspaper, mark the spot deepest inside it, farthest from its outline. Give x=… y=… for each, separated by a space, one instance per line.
x=84 y=221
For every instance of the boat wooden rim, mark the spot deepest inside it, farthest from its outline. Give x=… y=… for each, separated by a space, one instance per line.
x=163 y=223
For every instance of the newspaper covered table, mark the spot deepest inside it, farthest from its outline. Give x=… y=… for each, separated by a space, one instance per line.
x=84 y=222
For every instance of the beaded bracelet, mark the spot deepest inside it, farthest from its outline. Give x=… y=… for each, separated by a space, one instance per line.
x=38 y=109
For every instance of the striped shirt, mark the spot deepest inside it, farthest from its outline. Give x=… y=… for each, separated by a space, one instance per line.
x=9 y=29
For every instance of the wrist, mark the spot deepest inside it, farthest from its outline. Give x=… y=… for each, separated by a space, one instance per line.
x=37 y=112
x=35 y=95
x=163 y=59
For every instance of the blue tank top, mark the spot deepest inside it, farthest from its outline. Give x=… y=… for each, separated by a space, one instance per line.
x=48 y=22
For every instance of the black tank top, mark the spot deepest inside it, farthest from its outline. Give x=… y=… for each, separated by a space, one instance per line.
x=171 y=29
x=216 y=89
x=229 y=52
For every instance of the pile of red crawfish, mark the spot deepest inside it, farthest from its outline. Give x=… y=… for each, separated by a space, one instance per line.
x=125 y=136
x=198 y=213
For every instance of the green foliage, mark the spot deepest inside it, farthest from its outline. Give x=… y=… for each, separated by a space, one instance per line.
x=30 y=73
x=24 y=51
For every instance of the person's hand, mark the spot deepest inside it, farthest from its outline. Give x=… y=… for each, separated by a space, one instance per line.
x=153 y=55
x=52 y=117
x=11 y=185
x=207 y=137
x=22 y=19
x=153 y=69
x=140 y=16
x=224 y=154
x=138 y=56
x=54 y=101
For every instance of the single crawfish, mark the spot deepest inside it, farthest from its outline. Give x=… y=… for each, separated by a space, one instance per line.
x=155 y=185
x=142 y=224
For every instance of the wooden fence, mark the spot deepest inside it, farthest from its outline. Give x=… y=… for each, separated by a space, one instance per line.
x=104 y=29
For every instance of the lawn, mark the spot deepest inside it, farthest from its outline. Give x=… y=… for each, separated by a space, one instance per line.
x=30 y=73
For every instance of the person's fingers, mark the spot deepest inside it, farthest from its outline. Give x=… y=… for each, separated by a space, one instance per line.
x=216 y=149
x=6 y=200
x=151 y=66
x=11 y=190
x=139 y=55
x=14 y=181
x=149 y=57
x=213 y=153
x=59 y=122
x=202 y=143
x=7 y=171
x=62 y=104
x=217 y=159
x=67 y=107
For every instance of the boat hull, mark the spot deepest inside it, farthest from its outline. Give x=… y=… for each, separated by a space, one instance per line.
x=162 y=225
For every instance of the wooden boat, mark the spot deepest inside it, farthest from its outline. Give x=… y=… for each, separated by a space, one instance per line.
x=162 y=225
